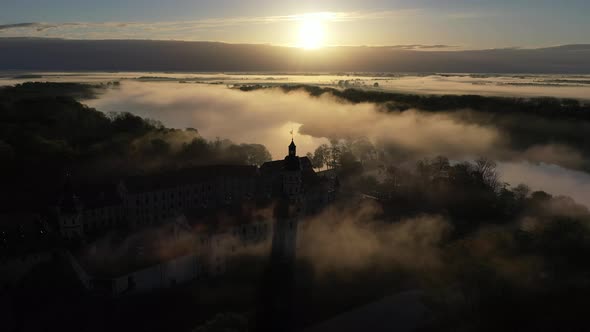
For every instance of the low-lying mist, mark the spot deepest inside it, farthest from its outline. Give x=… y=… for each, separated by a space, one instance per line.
x=267 y=116
x=354 y=238
x=550 y=178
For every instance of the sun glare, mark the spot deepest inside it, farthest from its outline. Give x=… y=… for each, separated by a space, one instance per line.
x=311 y=32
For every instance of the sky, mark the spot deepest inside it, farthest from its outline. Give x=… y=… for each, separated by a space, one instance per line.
x=456 y=24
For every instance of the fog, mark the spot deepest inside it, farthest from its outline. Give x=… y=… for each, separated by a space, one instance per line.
x=550 y=178
x=437 y=225
x=267 y=117
x=524 y=85
x=355 y=239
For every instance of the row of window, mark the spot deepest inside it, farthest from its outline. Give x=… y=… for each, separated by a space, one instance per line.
x=102 y=212
x=151 y=199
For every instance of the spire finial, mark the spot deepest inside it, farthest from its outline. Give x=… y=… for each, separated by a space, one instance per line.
x=292 y=148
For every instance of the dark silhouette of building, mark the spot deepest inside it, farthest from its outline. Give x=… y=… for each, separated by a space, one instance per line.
x=214 y=205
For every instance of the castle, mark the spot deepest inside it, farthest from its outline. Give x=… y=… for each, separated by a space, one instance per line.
x=219 y=207
x=140 y=201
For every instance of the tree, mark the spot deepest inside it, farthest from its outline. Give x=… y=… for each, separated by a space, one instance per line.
x=335 y=151
x=195 y=150
x=521 y=192
x=440 y=167
x=256 y=154
x=362 y=148
x=462 y=174
x=349 y=165
x=320 y=156
x=423 y=169
x=393 y=176
x=158 y=147
x=485 y=169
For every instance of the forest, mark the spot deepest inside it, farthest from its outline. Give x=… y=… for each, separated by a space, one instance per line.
x=46 y=132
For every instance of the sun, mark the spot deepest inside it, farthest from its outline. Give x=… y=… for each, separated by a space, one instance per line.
x=311 y=32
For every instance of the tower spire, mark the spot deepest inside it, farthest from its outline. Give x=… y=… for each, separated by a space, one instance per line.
x=292 y=148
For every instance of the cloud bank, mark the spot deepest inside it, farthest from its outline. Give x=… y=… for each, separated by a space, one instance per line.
x=177 y=29
x=127 y=54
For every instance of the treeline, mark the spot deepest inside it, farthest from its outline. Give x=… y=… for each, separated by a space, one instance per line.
x=51 y=89
x=545 y=106
x=469 y=192
x=43 y=137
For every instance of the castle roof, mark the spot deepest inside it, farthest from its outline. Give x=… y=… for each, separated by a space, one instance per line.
x=185 y=176
x=277 y=166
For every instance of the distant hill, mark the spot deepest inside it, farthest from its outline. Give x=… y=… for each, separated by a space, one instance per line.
x=154 y=55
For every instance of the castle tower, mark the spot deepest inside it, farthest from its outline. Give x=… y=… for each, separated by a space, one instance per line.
x=288 y=210
x=276 y=311
x=70 y=212
x=291 y=175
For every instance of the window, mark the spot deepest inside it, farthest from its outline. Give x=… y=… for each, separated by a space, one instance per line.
x=130 y=283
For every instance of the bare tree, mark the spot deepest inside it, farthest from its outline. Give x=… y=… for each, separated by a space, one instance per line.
x=486 y=169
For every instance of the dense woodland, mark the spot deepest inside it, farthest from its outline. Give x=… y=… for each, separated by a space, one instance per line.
x=546 y=106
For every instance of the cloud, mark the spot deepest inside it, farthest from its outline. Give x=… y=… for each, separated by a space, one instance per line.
x=421 y=47
x=17 y=25
x=163 y=52
x=173 y=29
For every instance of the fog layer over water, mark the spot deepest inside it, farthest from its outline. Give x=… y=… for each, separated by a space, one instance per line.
x=562 y=86
x=267 y=116
x=550 y=178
